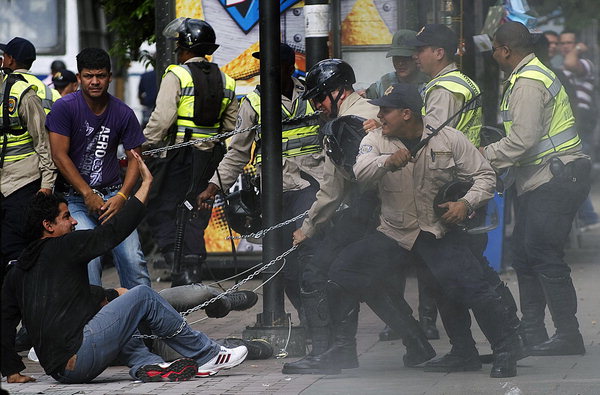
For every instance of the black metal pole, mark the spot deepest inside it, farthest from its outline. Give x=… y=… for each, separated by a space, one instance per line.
x=272 y=179
x=164 y=11
x=316 y=17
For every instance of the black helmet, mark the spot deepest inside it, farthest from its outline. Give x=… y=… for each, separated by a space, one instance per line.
x=341 y=139
x=474 y=224
x=326 y=76
x=193 y=34
x=243 y=206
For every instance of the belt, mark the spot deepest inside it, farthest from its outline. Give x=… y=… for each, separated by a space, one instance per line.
x=98 y=191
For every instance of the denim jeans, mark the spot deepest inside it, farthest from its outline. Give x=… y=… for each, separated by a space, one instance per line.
x=108 y=335
x=128 y=257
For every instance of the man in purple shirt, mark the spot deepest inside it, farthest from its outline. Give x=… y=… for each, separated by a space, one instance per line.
x=86 y=128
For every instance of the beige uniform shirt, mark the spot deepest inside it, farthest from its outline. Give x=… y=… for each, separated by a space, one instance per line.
x=441 y=104
x=530 y=107
x=407 y=194
x=334 y=187
x=165 y=112
x=15 y=175
x=240 y=149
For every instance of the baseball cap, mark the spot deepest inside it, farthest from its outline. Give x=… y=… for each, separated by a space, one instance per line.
x=63 y=78
x=400 y=96
x=399 y=45
x=436 y=35
x=286 y=54
x=20 y=49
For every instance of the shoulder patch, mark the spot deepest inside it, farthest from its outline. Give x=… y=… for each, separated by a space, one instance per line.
x=365 y=149
x=12 y=104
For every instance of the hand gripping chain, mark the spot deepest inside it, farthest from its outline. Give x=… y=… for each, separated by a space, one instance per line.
x=263 y=232
x=219 y=296
x=222 y=136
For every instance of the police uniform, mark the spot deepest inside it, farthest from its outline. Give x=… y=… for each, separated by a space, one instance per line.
x=302 y=166
x=27 y=165
x=47 y=94
x=408 y=225
x=552 y=180
x=172 y=122
x=445 y=94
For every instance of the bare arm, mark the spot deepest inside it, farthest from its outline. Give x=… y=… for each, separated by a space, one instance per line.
x=59 y=145
x=115 y=203
x=572 y=61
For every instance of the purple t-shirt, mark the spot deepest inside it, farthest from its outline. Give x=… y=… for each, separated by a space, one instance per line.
x=94 y=138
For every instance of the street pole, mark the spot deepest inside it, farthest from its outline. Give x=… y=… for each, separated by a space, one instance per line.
x=164 y=12
x=316 y=24
x=273 y=324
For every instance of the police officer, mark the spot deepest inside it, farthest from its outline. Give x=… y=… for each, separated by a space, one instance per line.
x=408 y=225
x=195 y=100
x=302 y=158
x=552 y=180
x=26 y=166
x=405 y=67
x=333 y=329
x=19 y=55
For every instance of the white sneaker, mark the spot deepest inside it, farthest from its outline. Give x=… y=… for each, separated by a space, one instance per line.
x=226 y=359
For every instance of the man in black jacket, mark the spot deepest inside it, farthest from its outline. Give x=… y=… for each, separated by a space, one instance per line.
x=75 y=339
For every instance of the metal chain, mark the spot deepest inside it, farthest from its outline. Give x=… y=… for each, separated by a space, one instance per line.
x=225 y=135
x=263 y=232
x=219 y=296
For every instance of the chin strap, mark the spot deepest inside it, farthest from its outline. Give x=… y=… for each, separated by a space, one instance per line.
x=334 y=103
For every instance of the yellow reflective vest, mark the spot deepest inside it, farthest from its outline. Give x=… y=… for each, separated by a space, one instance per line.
x=47 y=94
x=471 y=119
x=19 y=143
x=185 y=107
x=298 y=138
x=562 y=134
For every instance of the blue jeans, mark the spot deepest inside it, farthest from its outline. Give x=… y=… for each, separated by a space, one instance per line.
x=108 y=335
x=128 y=257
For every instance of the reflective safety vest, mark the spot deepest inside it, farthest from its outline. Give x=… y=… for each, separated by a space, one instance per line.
x=47 y=94
x=471 y=118
x=19 y=144
x=185 y=107
x=298 y=138
x=562 y=134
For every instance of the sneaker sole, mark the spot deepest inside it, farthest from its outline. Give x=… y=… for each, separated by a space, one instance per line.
x=210 y=373
x=180 y=370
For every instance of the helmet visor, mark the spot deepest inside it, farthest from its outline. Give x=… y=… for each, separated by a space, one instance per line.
x=174 y=27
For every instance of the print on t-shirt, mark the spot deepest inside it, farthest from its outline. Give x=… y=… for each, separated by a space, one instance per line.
x=95 y=150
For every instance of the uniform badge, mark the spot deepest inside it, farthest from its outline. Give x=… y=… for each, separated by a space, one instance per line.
x=12 y=104
x=389 y=90
x=365 y=149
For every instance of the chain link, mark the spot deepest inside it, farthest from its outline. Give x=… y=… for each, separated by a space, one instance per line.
x=263 y=232
x=225 y=135
x=219 y=296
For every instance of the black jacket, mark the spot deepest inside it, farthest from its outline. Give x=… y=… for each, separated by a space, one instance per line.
x=49 y=291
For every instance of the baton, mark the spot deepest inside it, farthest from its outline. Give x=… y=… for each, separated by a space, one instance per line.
x=424 y=142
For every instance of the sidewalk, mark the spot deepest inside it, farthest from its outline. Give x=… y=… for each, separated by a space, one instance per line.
x=381 y=369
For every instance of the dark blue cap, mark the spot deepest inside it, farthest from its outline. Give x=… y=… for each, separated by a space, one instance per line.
x=287 y=55
x=20 y=49
x=400 y=96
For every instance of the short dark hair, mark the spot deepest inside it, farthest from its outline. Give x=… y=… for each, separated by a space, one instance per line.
x=515 y=36
x=26 y=64
x=573 y=32
x=93 y=59
x=550 y=33
x=41 y=208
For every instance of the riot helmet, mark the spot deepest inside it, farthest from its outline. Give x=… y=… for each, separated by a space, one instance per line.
x=195 y=35
x=482 y=220
x=243 y=205
x=341 y=140
x=325 y=77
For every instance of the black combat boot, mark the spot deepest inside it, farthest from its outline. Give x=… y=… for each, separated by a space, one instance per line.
x=533 y=305
x=562 y=303
x=397 y=314
x=319 y=330
x=190 y=271
x=427 y=312
x=463 y=356
x=493 y=319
